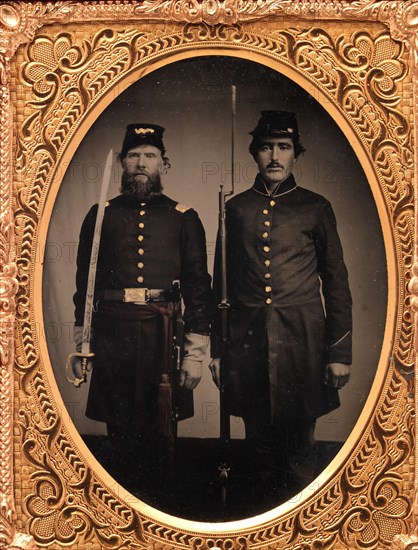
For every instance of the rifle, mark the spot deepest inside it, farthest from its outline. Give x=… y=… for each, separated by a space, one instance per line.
x=223 y=307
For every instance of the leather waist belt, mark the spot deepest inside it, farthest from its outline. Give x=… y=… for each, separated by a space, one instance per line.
x=142 y=295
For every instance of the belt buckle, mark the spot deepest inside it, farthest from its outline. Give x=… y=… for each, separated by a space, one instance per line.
x=135 y=295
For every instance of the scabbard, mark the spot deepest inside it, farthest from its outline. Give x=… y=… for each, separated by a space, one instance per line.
x=166 y=412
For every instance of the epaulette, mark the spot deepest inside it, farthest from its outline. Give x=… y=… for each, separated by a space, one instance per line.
x=182 y=208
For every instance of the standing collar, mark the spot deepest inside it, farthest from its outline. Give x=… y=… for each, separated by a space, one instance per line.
x=129 y=199
x=286 y=186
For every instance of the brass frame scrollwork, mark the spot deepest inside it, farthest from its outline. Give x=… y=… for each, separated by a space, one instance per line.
x=59 y=63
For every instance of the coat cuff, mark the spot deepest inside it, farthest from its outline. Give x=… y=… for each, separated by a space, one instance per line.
x=340 y=351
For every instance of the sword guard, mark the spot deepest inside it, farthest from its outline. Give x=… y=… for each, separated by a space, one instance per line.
x=76 y=373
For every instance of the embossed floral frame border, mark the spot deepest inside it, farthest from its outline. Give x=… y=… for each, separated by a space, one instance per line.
x=360 y=56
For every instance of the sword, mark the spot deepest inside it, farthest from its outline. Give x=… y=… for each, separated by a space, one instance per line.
x=85 y=357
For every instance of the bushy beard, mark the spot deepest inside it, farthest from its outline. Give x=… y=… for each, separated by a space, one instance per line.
x=141 y=190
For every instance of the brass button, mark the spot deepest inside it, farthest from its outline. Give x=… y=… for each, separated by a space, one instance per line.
x=268 y=288
x=265 y=235
x=140 y=265
x=266 y=248
x=140 y=237
x=272 y=203
x=141 y=225
x=141 y=251
x=267 y=276
x=267 y=263
x=140 y=279
x=142 y=213
x=265 y=211
x=268 y=301
x=267 y=223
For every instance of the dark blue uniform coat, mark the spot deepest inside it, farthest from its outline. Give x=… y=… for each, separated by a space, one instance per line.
x=145 y=244
x=290 y=301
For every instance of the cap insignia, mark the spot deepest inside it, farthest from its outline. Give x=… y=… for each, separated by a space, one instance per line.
x=141 y=131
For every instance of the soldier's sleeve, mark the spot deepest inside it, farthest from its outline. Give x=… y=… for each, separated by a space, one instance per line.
x=83 y=263
x=335 y=288
x=195 y=280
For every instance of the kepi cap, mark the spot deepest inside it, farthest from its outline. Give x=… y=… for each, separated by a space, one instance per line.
x=142 y=134
x=276 y=123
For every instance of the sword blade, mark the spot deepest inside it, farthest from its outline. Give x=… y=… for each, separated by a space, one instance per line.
x=88 y=311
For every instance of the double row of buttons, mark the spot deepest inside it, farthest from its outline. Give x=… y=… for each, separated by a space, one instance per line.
x=266 y=249
x=141 y=251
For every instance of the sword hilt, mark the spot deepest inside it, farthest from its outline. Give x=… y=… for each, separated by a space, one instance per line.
x=71 y=374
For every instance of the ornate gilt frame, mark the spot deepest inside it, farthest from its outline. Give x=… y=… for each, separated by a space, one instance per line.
x=60 y=63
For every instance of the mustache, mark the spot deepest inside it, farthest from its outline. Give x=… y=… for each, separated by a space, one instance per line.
x=275 y=164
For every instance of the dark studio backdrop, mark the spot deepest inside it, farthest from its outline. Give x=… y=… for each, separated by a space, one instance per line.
x=191 y=99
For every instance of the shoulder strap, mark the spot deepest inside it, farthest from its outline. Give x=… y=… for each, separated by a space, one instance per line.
x=182 y=208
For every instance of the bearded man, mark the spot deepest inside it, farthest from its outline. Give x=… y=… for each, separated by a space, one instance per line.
x=152 y=255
